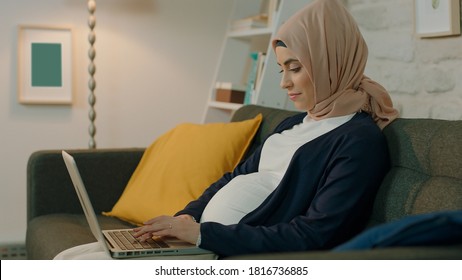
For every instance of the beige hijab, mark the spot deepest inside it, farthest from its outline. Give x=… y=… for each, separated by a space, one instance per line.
x=328 y=43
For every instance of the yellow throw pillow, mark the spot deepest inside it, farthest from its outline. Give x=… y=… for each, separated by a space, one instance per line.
x=180 y=165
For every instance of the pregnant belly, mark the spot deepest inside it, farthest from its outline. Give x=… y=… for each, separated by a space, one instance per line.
x=239 y=197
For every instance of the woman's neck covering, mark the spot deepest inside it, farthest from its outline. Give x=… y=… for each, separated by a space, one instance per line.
x=328 y=43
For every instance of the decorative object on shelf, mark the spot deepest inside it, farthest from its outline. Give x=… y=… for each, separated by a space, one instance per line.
x=436 y=18
x=44 y=65
x=91 y=71
x=228 y=92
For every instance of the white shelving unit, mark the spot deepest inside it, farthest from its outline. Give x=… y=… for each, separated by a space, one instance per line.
x=235 y=62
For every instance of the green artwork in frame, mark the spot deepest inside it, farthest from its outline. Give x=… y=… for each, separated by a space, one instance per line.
x=46 y=65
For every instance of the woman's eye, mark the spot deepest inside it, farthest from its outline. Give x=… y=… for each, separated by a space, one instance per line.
x=295 y=69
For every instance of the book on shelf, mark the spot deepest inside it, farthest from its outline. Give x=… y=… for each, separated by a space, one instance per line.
x=229 y=92
x=257 y=21
x=260 y=65
x=264 y=19
x=254 y=77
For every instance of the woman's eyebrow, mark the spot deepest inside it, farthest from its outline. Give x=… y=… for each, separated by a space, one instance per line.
x=290 y=60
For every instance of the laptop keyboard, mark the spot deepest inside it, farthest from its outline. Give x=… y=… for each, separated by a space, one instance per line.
x=126 y=241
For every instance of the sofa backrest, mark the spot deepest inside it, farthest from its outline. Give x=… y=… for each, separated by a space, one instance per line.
x=426 y=159
x=271 y=118
x=426 y=172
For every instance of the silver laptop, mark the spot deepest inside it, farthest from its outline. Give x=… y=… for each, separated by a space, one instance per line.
x=121 y=243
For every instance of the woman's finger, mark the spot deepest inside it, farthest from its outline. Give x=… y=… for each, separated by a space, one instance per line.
x=157 y=219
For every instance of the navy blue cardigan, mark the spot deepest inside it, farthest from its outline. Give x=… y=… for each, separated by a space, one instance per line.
x=324 y=198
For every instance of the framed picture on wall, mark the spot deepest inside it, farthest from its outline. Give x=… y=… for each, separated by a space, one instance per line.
x=45 y=65
x=436 y=18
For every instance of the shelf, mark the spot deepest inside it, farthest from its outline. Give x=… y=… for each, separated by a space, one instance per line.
x=250 y=32
x=225 y=105
x=235 y=63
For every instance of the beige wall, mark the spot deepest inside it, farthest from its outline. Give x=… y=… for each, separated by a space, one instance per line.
x=155 y=62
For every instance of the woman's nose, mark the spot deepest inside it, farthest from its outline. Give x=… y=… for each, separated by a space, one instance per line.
x=285 y=82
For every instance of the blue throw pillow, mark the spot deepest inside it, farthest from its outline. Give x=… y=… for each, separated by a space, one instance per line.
x=438 y=228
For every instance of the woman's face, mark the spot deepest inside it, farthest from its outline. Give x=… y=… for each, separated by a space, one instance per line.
x=295 y=79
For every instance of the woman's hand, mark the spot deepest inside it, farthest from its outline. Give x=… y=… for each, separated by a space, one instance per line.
x=182 y=227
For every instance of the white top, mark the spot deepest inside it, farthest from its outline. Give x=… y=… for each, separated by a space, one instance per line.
x=245 y=193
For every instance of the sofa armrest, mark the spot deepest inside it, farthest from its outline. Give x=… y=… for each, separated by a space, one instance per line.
x=105 y=173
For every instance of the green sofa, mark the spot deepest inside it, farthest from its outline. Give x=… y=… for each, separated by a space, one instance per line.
x=426 y=176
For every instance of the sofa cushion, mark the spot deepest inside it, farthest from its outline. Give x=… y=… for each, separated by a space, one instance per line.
x=179 y=165
x=50 y=234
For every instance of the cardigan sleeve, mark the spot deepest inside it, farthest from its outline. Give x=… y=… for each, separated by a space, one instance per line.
x=336 y=210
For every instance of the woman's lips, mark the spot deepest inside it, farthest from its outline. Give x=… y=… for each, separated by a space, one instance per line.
x=293 y=95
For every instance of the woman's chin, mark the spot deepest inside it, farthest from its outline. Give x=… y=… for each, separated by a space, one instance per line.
x=300 y=107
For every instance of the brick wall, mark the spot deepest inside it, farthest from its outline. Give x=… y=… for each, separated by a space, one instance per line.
x=424 y=76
